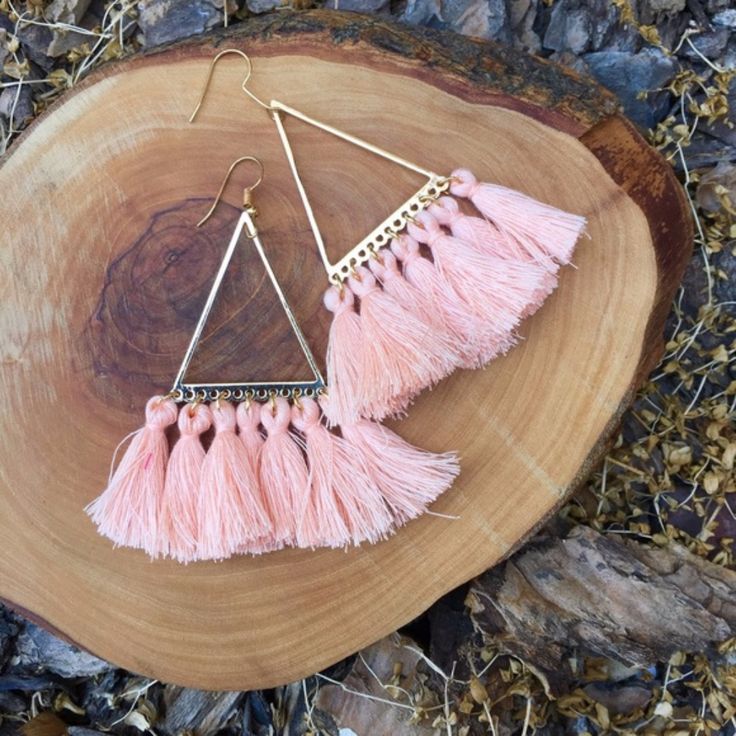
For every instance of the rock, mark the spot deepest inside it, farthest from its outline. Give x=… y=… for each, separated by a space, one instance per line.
x=522 y=17
x=487 y=19
x=67 y=11
x=82 y=731
x=577 y=26
x=163 y=21
x=661 y=7
x=716 y=185
x=21 y=108
x=190 y=710
x=360 y=6
x=264 y=6
x=422 y=12
x=628 y=75
x=391 y=661
x=35 y=41
x=710 y=44
x=37 y=650
x=8 y=632
x=726 y=18
x=569 y=28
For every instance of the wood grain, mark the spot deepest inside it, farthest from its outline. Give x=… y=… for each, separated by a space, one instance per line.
x=104 y=274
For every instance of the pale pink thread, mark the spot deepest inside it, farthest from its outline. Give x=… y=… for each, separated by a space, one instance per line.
x=127 y=511
x=230 y=510
x=178 y=527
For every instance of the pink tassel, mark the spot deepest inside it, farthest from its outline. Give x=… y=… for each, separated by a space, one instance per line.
x=386 y=269
x=487 y=238
x=248 y=415
x=178 y=525
x=400 y=354
x=127 y=510
x=284 y=475
x=320 y=519
x=437 y=294
x=344 y=362
x=542 y=230
x=497 y=292
x=230 y=512
x=408 y=478
x=344 y=506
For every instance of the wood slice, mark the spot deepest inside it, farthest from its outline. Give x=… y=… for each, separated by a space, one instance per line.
x=104 y=275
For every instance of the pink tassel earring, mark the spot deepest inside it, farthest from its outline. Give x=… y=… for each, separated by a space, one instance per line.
x=344 y=506
x=230 y=511
x=408 y=478
x=178 y=526
x=401 y=354
x=344 y=355
x=284 y=476
x=542 y=230
x=127 y=511
x=273 y=475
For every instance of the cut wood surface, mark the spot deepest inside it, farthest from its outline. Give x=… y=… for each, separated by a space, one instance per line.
x=104 y=275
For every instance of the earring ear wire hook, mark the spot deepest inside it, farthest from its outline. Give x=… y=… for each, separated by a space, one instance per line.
x=246 y=192
x=244 y=84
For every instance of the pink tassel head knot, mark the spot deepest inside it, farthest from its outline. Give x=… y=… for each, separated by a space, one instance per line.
x=223 y=416
x=464 y=184
x=248 y=416
x=194 y=419
x=338 y=299
x=161 y=412
x=446 y=211
x=276 y=416
x=306 y=415
x=405 y=248
x=385 y=267
x=362 y=282
x=426 y=229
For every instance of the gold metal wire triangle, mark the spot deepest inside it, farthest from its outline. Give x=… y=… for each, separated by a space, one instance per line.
x=258 y=390
x=379 y=236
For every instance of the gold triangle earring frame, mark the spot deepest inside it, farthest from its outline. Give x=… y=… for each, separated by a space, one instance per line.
x=187 y=391
x=380 y=236
x=459 y=307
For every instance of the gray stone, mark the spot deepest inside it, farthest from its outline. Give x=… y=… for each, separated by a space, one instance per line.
x=710 y=44
x=163 y=21
x=205 y=712
x=67 y=11
x=422 y=12
x=4 y=53
x=522 y=17
x=265 y=6
x=569 y=28
x=660 y=7
x=487 y=19
x=629 y=75
x=726 y=18
x=359 y=6
x=18 y=103
x=579 y=26
x=35 y=41
x=38 y=650
x=714 y=6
